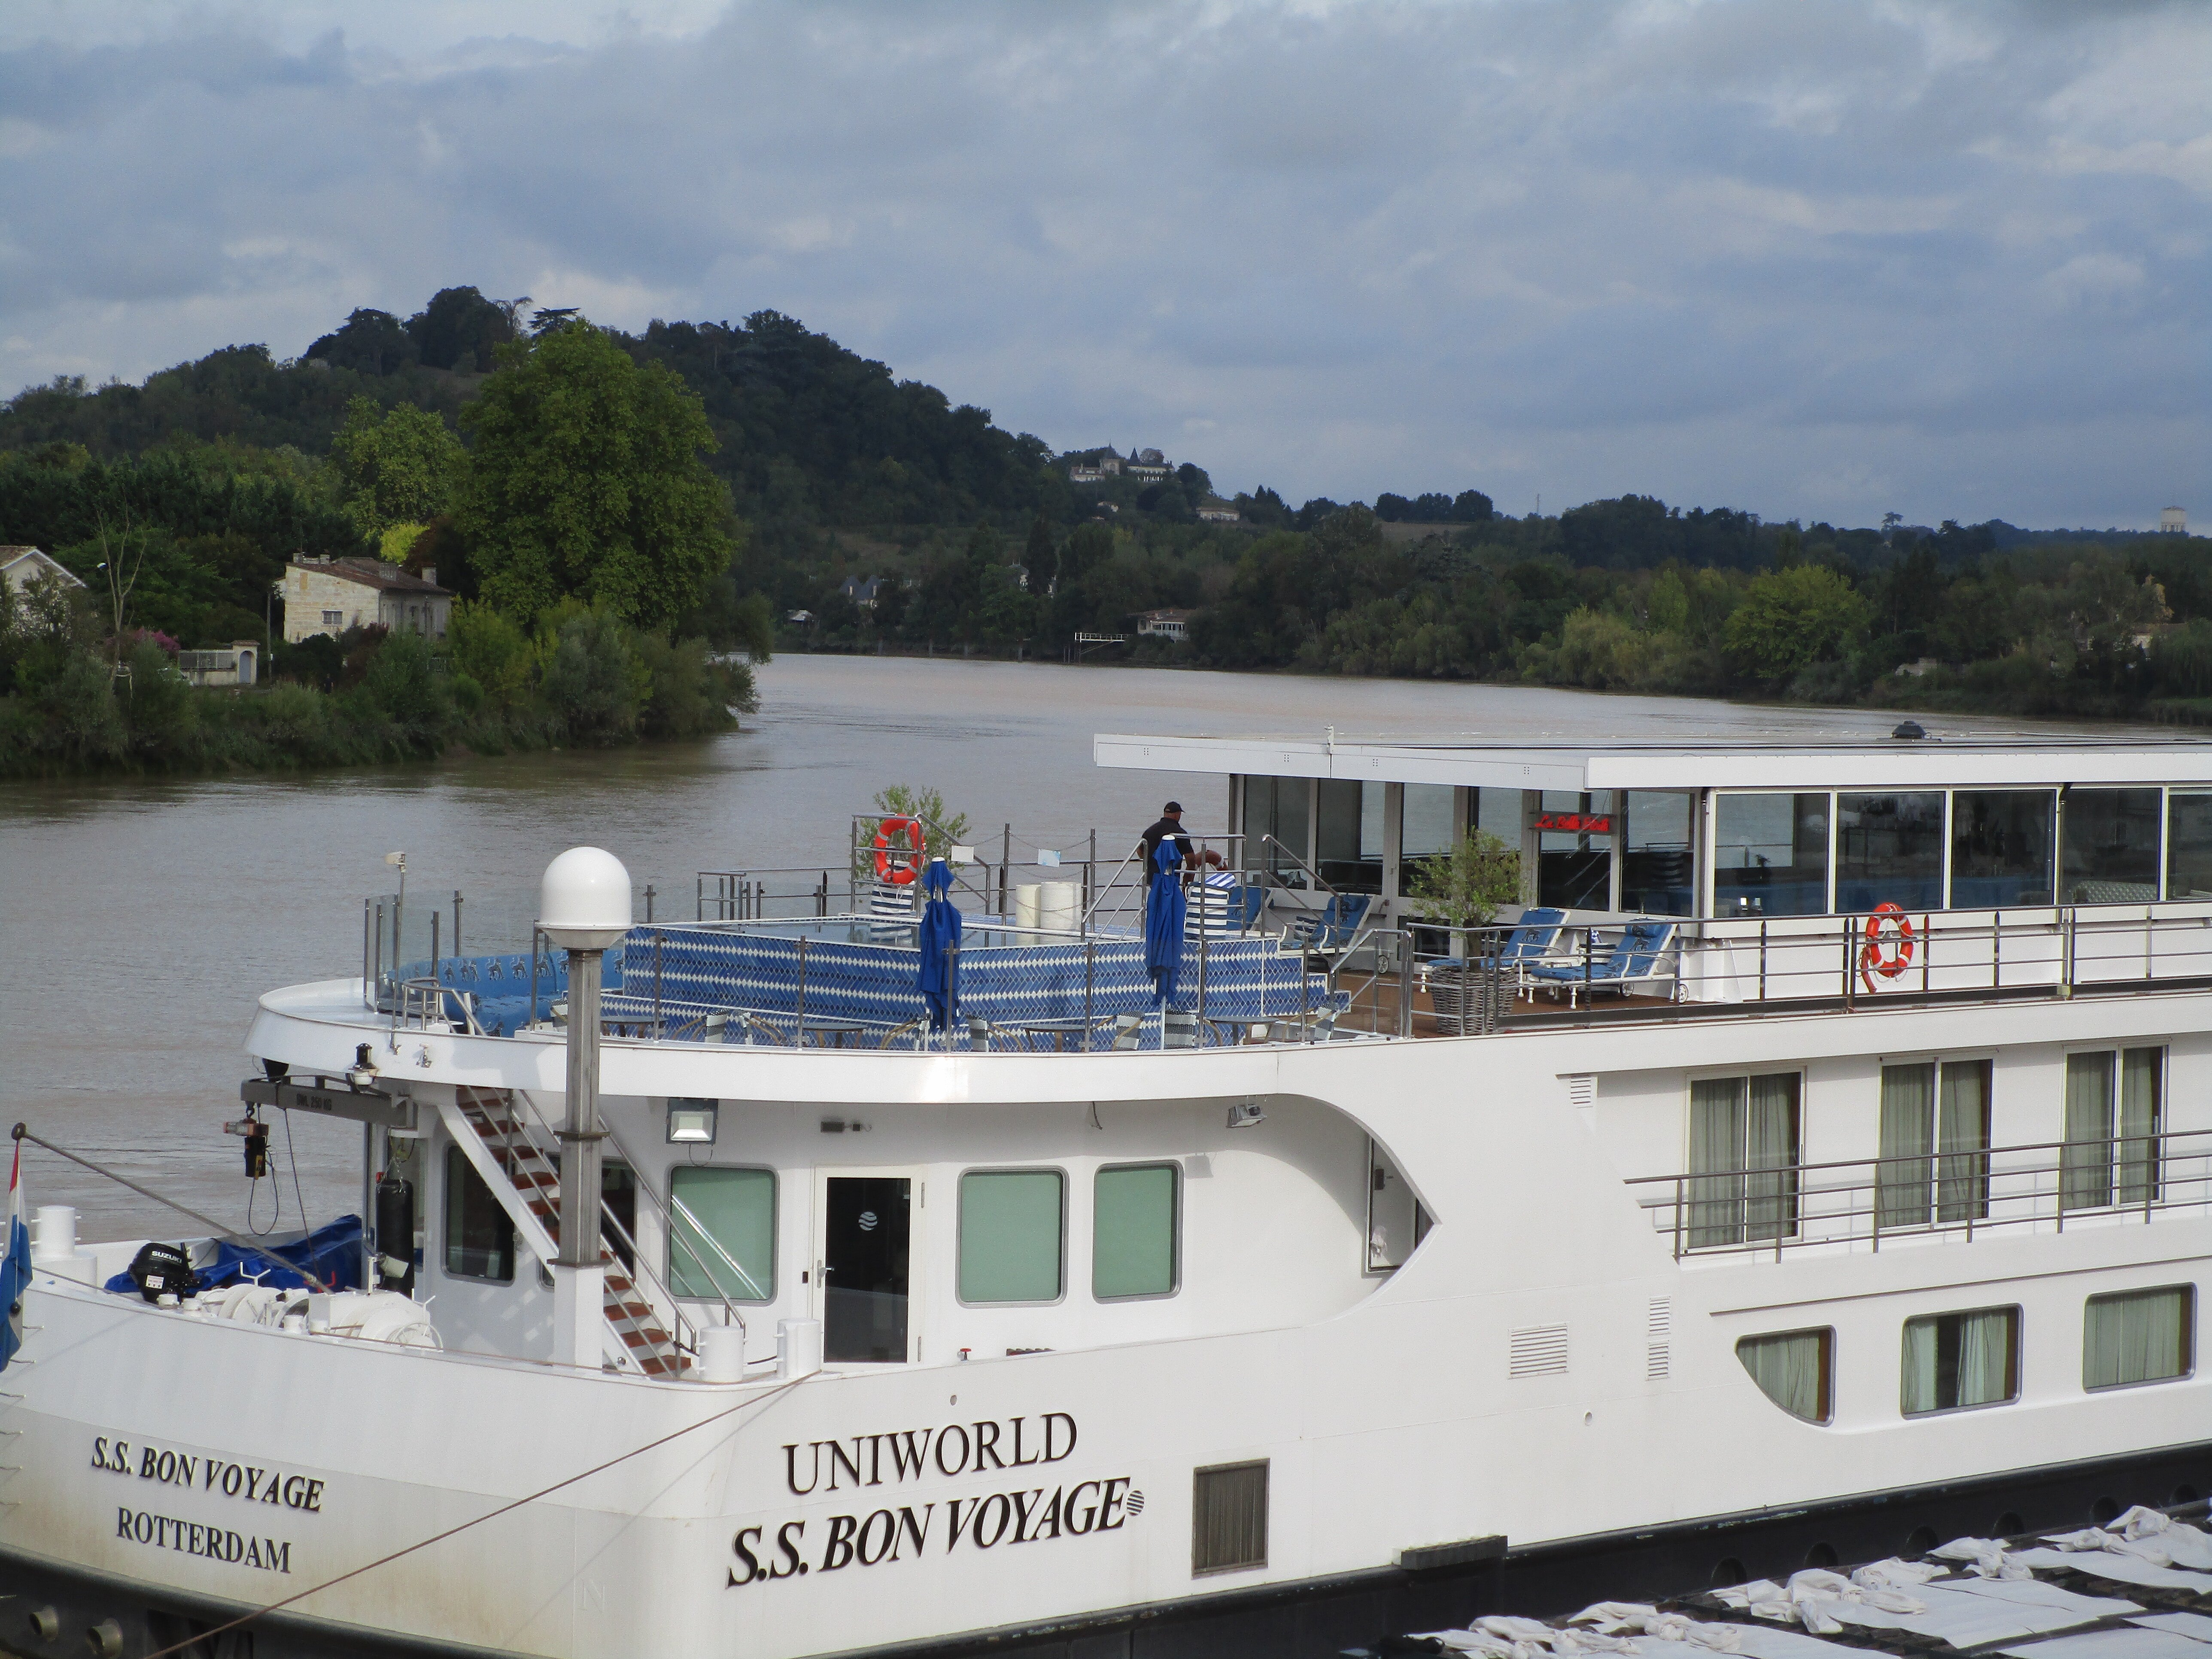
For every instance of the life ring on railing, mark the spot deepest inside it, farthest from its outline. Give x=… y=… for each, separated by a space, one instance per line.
x=894 y=864
x=1888 y=948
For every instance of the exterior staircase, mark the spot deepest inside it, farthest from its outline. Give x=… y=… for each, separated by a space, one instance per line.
x=532 y=1198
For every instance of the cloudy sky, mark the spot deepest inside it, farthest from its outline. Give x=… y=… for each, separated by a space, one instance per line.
x=1817 y=258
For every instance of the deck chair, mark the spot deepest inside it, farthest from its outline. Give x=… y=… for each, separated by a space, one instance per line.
x=1641 y=957
x=1330 y=931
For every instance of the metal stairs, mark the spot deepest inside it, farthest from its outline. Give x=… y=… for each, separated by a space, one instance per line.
x=531 y=1192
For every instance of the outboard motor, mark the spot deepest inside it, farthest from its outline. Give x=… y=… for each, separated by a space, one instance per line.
x=395 y=1233
x=159 y=1270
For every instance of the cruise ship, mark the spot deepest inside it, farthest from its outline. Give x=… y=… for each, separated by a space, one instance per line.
x=973 y=1255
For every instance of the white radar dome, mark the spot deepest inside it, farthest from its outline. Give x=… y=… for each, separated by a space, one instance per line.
x=584 y=900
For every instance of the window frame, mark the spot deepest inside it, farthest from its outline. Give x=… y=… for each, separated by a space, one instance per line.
x=455 y=1150
x=775 y=1231
x=2018 y=1368
x=1173 y=1166
x=1827 y=1333
x=960 y=1222
x=1793 y=1197
x=2114 y=1172
x=1978 y=1159
x=2188 y=1335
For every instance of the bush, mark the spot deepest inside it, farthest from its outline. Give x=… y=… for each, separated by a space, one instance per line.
x=594 y=684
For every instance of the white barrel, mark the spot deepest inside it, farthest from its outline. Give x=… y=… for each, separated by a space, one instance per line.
x=798 y=1348
x=722 y=1354
x=57 y=1239
x=1025 y=904
x=1059 y=906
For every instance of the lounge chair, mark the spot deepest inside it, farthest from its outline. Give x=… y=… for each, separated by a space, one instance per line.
x=1643 y=956
x=1331 y=930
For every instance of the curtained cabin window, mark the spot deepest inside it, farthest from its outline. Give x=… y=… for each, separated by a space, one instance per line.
x=1955 y=1360
x=1745 y=1133
x=2139 y=1336
x=2114 y=1107
x=1935 y=1162
x=1793 y=1369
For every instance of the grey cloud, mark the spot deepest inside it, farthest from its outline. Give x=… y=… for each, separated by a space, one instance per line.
x=1809 y=256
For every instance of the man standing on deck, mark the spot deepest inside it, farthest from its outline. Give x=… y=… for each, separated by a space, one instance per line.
x=1170 y=828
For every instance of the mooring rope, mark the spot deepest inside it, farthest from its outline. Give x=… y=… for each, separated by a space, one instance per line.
x=244 y=1620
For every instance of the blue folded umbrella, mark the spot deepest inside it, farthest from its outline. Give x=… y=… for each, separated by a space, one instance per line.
x=940 y=937
x=1165 y=911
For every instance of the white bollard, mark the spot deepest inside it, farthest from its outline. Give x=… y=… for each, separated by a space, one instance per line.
x=722 y=1354
x=798 y=1348
x=57 y=1239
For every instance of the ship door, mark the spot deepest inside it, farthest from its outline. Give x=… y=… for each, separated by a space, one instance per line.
x=867 y=1261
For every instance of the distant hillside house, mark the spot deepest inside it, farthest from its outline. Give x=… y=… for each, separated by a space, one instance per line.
x=234 y=664
x=1147 y=464
x=1094 y=468
x=328 y=596
x=862 y=590
x=1215 y=510
x=1165 y=624
x=22 y=566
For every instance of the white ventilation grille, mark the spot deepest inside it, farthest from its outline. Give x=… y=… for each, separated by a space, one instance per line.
x=1582 y=1092
x=1658 y=1338
x=1539 y=1350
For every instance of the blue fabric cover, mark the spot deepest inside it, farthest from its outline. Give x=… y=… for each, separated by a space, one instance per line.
x=938 y=976
x=331 y=1254
x=15 y=1268
x=1165 y=912
x=1635 y=955
x=1533 y=936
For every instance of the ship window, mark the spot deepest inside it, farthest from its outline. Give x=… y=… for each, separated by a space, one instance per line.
x=1959 y=1359
x=1228 y=1518
x=1792 y=1369
x=1574 y=855
x=1655 y=864
x=1277 y=807
x=2108 y=846
x=1934 y=1144
x=2000 y=844
x=2189 y=846
x=1011 y=1235
x=2139 y=1336
x=1132 y=1231
x=1771 y=855
x=722 y=1233
x=1743 y=1159
x=1348 y=835
x=1425 y=828
x=479 y=1237
x=1889 y=850
x=2111 y=1158
x=1397 y=1223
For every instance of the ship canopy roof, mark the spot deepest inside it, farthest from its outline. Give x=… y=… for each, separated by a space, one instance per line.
x=1794 y=762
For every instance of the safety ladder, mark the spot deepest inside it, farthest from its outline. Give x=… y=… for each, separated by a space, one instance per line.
x=532 y=1198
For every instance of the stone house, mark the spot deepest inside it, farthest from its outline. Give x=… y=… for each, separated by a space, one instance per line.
x=328 y=596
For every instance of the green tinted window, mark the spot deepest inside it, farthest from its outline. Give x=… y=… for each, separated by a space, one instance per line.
x=722 y=1238
x=1133 y=1245
x=1010 y=1236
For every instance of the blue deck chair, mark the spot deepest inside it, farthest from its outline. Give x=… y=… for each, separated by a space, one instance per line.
x=1640 y=957
x=1330 y=930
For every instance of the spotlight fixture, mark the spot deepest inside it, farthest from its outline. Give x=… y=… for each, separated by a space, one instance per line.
x=1247 y=1115
x=692 y=1122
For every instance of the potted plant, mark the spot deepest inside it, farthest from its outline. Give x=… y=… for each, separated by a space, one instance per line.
x=1463 y=887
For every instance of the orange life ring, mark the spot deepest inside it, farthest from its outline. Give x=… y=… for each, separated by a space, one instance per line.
x=1888 y=948
x=895 y=865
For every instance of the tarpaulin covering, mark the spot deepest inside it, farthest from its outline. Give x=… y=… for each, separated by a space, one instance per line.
x=1166 y=911
x=938 y=977
x=331 y=1253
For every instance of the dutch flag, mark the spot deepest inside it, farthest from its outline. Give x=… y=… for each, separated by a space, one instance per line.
x=16 y=1266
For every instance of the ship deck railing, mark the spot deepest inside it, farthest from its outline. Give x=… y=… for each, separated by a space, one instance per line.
x=1930 y=1197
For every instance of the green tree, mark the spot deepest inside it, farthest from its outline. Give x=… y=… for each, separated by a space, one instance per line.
x=939 y=828
x=586 y=480
x=1791 y=619
x=1465 y=886
x=396 y=467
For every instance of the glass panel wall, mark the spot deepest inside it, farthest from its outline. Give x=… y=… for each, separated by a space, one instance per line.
x=1771 y=855
x=2108 y=846
x=1574 y=850
x=722 y=1233
x=1277 y=807
x=1009 y=1235
x=1655 y=866
x=2189 y=846
x=1348 y=835
x=1889 y=850
x=2001 y=848
x=1497 y=812
x=1425 y=828
x=479 y=1238
x=1133 y=1238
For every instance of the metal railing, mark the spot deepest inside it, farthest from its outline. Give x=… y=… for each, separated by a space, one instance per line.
x=1955 y=1194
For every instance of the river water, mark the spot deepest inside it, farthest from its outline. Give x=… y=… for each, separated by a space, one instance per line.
x=140 y=918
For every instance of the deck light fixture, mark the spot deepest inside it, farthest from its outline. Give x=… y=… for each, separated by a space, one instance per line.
x=1247 y=1115
x=691 y=1122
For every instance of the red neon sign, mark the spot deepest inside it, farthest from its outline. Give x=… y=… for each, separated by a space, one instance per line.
x=1576 y=823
